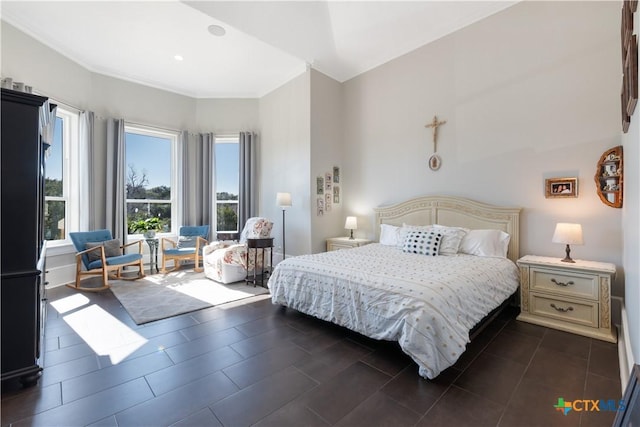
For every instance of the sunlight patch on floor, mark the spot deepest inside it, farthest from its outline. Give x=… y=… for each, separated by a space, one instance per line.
x=106 y=335
x=195 y=289
x=66 y=304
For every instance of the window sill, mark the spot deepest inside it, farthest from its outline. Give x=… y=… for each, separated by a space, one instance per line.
x=60 y=247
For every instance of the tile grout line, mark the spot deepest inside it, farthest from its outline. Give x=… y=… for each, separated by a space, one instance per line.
x=521 y=378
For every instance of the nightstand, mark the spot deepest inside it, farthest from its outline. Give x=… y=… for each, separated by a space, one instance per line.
x=572 y=297
x=337 y=243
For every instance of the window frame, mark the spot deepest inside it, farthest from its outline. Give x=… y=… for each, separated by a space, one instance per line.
x=172 y=136
x=227 y=139
x=70 y=171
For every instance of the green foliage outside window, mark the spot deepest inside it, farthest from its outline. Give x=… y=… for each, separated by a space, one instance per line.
x=227 y=213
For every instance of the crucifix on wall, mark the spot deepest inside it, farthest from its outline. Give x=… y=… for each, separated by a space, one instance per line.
x=434 y=160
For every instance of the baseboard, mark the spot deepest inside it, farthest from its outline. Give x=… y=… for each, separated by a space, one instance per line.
x=625 y=355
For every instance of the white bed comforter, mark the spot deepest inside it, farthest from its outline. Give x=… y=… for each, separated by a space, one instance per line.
x=427 y=304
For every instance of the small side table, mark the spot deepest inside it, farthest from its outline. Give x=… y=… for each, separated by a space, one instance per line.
x=259 y=245
x=571 y=297
x=153 y=253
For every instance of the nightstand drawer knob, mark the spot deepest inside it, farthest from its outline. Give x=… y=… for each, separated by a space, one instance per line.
x=570 y=282
x=560 y=309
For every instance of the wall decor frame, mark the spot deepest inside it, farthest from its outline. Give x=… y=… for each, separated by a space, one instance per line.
x=630 y=415
x=561 y=187
x=629 y=45
x=435 y=162
x=609 y=177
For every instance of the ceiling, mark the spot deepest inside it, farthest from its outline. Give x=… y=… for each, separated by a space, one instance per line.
x=266 y=42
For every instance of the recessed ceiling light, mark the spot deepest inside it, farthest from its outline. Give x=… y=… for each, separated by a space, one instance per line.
x=178 y=58
x=217 y=30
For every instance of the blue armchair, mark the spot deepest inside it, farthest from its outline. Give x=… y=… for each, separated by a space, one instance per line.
x=191 y=241
x=100 y=255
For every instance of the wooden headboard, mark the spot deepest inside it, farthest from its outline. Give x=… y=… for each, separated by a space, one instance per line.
x=453 y=211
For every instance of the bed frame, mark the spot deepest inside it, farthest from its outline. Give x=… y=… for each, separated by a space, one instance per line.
x=458 y=212
x=454 y=211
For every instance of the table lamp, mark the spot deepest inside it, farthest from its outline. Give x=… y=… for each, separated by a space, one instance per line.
x=351 y=224
x=569 y=234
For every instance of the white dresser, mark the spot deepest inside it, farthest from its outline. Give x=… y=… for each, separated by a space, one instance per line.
x=572 y=297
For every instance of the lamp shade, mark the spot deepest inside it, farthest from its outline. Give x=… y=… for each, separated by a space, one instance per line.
x=351 y=223
x=283 y=199
x=570 y=234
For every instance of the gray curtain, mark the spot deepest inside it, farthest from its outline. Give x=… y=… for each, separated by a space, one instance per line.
x=115 y=191
x=198 y=179
x=87 y=168
x=247 y=197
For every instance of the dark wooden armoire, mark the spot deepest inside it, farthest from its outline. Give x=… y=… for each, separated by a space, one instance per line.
x=22 y=223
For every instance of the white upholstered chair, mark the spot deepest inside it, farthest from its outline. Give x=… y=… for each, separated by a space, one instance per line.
x=228 y=262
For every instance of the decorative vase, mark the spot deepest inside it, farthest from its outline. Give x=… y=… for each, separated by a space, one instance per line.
x=149 y=234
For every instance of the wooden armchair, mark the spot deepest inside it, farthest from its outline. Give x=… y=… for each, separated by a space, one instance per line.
x=191 y=241
x=101 y=255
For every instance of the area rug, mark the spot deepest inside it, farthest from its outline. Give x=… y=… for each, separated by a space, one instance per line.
x=165 y=295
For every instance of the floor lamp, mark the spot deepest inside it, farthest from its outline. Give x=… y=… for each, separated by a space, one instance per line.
x=284 y=201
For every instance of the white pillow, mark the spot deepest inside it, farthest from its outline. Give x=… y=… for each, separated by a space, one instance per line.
x=451 y=238
x=390 y=235
x=422 y=242
x=490 y=243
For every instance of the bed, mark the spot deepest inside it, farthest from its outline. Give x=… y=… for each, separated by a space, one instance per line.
x=428 y=304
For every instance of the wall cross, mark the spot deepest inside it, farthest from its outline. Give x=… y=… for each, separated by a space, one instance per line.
x=434 y=125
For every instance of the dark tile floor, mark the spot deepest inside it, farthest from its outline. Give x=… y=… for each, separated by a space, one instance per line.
x=253 y=363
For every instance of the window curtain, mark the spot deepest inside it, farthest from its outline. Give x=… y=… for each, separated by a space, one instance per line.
x=247 y=197
x=115 y=191
x=198 y=179
x=87 y=168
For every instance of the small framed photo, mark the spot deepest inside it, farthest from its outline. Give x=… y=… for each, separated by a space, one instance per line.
x=561 y=187
x=319 y=186
x=327 y=182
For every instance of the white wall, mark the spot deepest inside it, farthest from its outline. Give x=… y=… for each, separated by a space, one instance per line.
x=529 y=93
x=284 y=162
x=326 y=152
x=223 y=116
x=631 y=225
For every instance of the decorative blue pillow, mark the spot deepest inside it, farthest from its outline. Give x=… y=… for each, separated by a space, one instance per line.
x=422 y=242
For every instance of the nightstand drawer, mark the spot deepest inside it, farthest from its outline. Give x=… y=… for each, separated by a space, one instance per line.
x=582 y=312
x=564 y=283
x=338 y=246
x=337 y=243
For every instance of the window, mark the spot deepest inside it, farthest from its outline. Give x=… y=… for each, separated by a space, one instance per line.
x=150 y=158
x=227 y=184
x=61 y=210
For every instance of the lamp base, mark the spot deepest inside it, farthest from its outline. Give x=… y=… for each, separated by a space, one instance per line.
x=567 y=257
x=351 y=236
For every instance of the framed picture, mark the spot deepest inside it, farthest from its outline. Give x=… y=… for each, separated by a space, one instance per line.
x=336 y=175
x=336 y=194
x=434 y=162
x=561 y=187
x=319 y=186
x=327 y=181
